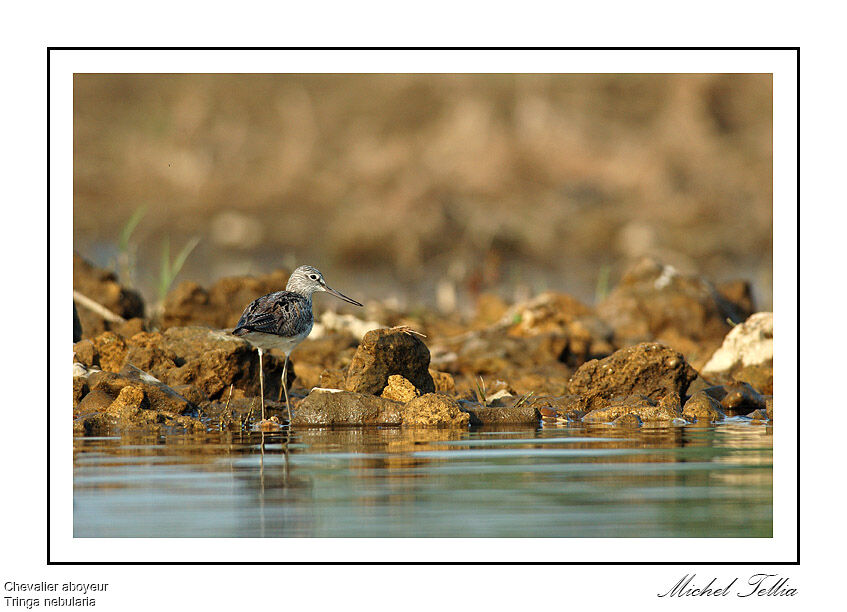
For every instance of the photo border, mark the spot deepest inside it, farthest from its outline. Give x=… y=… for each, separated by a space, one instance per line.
x=51 y=49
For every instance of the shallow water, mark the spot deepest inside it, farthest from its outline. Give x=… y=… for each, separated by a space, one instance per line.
x=582 y=481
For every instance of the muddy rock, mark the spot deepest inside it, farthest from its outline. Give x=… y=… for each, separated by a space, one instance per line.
x=558 y=315
x=399 y=389
x=550 y=328
x=214 y=359
x=93 y=424
x=86 y=353
x=434 y=410
x=769 y=406
x=220 y=305
x=646 y=369
x=492 y=352
x=333 y=350
x=653 y=300
x=332 y=379
x=671 y=403
x=308 y=375
x=131 y=327
x=129 y=411
x=111 y=350
x=561 y=409
x=702 y=407
x=647 y=409
x=324 y=407
x=132 y=399
x=93 y=402
x=521 y=414
x=547 y=312
x=243 y=412
x=628 y=420
x=159 y=395
x=210 y=360
x=758 y=415
x=108 y=351
x=103 y=287
x=737 y=398
x=129 y=403
x=444 y=382
x=384 y=352
x=741 y=398
x=80 y=389
x=194 y=395
x=696 y=352
x=147 y=352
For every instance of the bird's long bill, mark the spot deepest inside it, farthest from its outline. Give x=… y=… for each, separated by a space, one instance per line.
x=340 y=295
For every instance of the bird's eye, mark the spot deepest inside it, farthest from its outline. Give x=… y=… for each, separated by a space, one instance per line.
x=313 y=276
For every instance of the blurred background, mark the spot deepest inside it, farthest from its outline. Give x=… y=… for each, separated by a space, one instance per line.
x=426 y=189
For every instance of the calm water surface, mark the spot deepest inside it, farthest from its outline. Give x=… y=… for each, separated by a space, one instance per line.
x=585 y=481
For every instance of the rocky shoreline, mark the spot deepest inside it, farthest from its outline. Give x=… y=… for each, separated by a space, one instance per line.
x=662 y=348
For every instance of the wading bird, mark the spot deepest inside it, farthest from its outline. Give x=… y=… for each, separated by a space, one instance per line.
x=283 y=319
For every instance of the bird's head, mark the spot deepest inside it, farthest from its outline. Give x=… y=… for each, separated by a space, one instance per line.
x=305 y=280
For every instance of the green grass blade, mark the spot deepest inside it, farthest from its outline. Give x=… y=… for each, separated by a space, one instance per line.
x=182 y=256
x=129 y=227
x=165 y=270
x=601 y=289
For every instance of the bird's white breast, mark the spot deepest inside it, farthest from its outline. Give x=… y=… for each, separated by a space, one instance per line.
x=285 y=344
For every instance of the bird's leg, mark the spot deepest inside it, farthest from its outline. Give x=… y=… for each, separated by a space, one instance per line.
x=285 y=387
x=261 y=384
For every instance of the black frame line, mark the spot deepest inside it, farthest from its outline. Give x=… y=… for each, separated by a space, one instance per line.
x=718 y=563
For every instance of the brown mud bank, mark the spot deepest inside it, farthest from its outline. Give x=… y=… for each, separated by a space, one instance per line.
x=662 y=348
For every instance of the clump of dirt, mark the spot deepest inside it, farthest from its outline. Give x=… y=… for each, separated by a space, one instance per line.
x=131 y=400
x=102 y=287
x=629 y=420
x=434 y=410
x=702 y=407
x=384 y=352
x=207 y=359
x=655 y=302
x=221 y=305
x=333 y=351
x=551 y=328
x=737 y=398
x=645 y=408
x=444 y=382
x=516 y=413
x=325 y=408
x=111 y=350
x=399 y=389
x=648 y=369
x=548 y=359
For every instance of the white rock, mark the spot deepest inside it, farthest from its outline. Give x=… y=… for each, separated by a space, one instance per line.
x=343 y=323
x=750 y=343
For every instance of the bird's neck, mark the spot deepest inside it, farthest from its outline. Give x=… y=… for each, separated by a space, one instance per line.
x=305 y=293
x=300 y=289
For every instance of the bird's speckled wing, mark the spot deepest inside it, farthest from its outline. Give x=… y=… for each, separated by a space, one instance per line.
x=282 y=313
